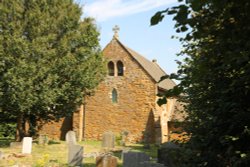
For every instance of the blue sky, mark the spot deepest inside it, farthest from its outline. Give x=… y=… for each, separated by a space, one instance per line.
x=133 y=18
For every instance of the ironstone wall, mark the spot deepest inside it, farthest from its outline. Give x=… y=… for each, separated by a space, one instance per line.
x=136 y=99
x=133 y=112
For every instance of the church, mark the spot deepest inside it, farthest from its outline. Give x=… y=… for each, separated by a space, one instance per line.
x=125 y=101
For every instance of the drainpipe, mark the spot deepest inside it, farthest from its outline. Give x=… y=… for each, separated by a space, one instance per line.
x=84 y=116
x=82 y=112
x=80 y=123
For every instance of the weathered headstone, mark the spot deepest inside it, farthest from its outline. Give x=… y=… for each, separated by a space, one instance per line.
x=75 y=155
x=75 y=152
x=150 y=164
x=133 y=159
x=1 y=155
x=27 y=145
x=108 y=140
x=16 y=145
x=71 y=137
x=43 y=139
x=164 y=154
x=124 y=135
x=125 y=150
x=106 y=161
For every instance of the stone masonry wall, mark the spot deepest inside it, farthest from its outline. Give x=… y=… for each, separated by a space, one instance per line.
x=57 y=129
x=136 y=100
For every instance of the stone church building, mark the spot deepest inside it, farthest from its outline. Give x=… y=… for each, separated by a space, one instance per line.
x=126 y=101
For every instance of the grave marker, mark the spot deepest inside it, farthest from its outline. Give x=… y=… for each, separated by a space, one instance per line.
x=75 y=155
x=133 y=159
x=71 y=137
x=106 y=161
x=16 y=145
x=43 y=140
x=75 y=152
x=27 y=145
x=108 y=140
x=1 y=155
x=124 y=135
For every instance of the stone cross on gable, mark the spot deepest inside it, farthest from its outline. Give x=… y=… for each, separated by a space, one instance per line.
x=116 y=29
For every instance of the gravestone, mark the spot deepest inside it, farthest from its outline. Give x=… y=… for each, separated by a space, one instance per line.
x=75 y=155
x=16 y=145
x=124 y=135
x=133 y=159
x=1 y=155
x=27 y=145
x=125 y=150
x=43 y=140
x=106 y=161
x=75 y=152
x=150 y=164
x=71 y=137
x=108 y=140
x=164 y=154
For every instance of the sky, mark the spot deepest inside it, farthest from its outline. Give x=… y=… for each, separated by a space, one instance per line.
x=133 y=18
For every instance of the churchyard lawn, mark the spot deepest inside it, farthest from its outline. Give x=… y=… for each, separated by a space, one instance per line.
x=54 y=154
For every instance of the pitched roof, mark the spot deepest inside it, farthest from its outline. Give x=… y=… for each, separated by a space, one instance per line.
x=152 y=68
x=178 y=114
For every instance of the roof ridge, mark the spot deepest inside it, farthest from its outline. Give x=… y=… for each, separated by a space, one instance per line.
x=153 y=69
x=164 y=72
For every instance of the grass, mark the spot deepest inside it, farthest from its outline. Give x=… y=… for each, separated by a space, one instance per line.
x=55 y=153
x=5 y=141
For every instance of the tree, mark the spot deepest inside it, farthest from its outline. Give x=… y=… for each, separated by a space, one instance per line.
x=215 y=78
x=49 y=59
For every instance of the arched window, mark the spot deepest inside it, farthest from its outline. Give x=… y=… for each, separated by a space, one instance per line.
x=111 y=68
x=120 y=68
x=114 y=96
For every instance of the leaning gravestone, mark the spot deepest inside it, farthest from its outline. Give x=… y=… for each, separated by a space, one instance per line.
x=106 y=161
x=133 y=159
x=70 y=137
x=75 y=155
x=27 y=145
x=75 y=152
x=108 y=140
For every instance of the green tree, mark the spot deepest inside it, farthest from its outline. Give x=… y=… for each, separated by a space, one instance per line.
x=215 y=77
x=49 y=59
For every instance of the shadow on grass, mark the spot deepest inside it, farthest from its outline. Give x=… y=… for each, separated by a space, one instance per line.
x=5 y=142
x=89 y=164
x=151 y=150
x=94 y=165
x=53 y=142
x=117 y=154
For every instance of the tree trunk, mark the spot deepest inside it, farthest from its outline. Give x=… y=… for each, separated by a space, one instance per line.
x=23 y=127
x=19 y=129
x=26 y=127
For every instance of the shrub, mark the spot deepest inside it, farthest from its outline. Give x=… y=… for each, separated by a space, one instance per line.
x=7 y=130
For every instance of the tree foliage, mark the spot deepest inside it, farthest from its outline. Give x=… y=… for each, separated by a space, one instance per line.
x=215 y=78
x=49 y=58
